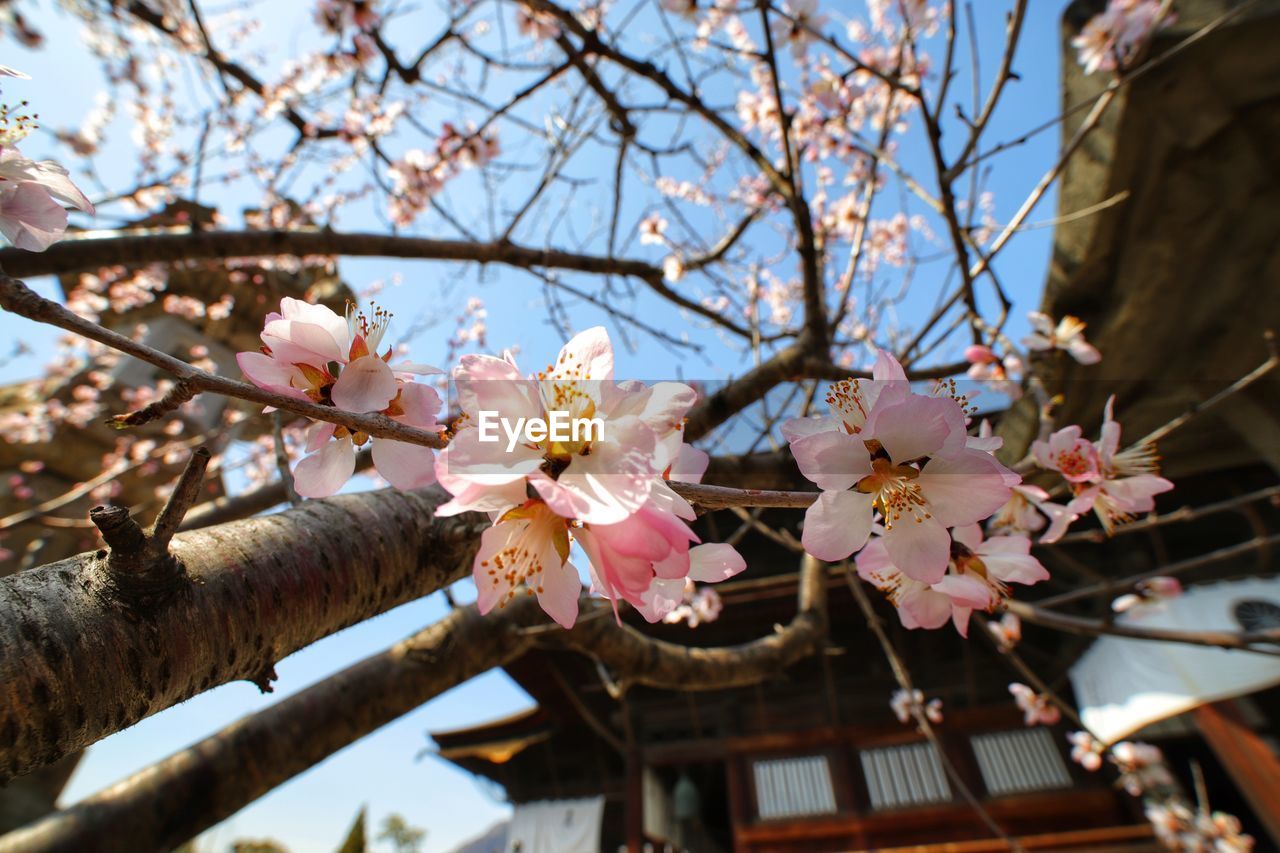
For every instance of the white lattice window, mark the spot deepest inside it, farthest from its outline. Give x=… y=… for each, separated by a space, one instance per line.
x=1019 y=761
x=909 y=775
x=793 y=787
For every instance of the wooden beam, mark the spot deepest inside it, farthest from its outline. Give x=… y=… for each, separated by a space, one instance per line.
x=1249 y=760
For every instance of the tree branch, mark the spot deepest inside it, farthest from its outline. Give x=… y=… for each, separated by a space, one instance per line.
x=77 y=665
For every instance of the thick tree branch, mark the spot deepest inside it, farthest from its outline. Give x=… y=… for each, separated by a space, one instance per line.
x=191 y=790
x=76 y=664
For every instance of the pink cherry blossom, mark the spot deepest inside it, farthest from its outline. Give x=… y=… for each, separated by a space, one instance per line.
x=601 y=479
x=1149 y=591
x=905 y=455
x=653 y=230
x=1142 y=767
x=708 y=564
x=1067 y=335
x=1027 y=510
x=32 y=195
x=1086 y=750
x=1126 y=482
x=1007 y=631
x=1036 y=709
x=528 y=546
x=976 y=578
x=904 y=704
x=302 y=344
x=1109 y=39
x=701 y=604
x=1075 y=458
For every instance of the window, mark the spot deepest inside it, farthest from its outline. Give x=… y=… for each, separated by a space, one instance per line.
x=793 y=787
x=1018 y=761
x=909 y=775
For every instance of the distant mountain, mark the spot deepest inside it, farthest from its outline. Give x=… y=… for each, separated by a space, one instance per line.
x=494 y=840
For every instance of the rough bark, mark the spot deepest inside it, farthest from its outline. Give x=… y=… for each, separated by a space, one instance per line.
x=81 y=659
x=176 y=799
x=192 y=790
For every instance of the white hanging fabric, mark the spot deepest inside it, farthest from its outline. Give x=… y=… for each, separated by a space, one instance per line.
x=1123 y=684
x=556 y=826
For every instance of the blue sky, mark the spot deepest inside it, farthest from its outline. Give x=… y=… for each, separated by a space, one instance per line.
x=311 y=812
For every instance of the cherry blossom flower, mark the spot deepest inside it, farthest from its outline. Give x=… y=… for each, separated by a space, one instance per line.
x=1002 y=375
x=652 y=230
x=709 y=563
x=976 y=578
x=1141 y=767
x=701 y=604
x=1149 y=591
x=1036 y=709
x=601 y=479
x=1086 y=750
x=1179 y=827
x=1067 y=335
x=902 y=454
x=303 y=345
x=1007 y=631
x=528 y=546
x=1110 y=38
x=1116 y=484
x=1027 y=510
x=798 y=30
x=904 y=703
x=32 y=195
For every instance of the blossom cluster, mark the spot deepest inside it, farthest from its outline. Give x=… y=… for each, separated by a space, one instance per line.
x=901 y=467
x=607 y=491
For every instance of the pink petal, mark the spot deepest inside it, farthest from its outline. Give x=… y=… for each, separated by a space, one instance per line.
x=689 y=465
x=30 y=218
x=714 y=562
x=559 y=591
x=837 y=524
x=968 y=535
x=404 y=465
x=420 y=403
x=318 y=434
x=923 y=608
x=589 y=355
x=887 y=368
x=365 y=385
x=269 y=374
x=797 y=428
x=918 y=426
x=834 y=460
x=965 y=591
x=920 y=548
x=324 y=473
x=964 y=488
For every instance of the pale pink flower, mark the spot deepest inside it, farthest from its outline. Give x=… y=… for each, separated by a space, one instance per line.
x=1000 y=374
x=1141 y=767
x=977 y=578
x=528 y=546
x=1036 y=709
x=1127 y=482
x=1075 y=458
x=1086 y=750
x=1110 y=38
x=905 y=703
x=701 y=604
x=1007 y=632
x=709 y=563
x=652 y=230
x=1067 y=335
x=602 y=477
x=1026 y=511
x=32 y=195
x=799 y=31
x=1149 y=591
x=301 y=346
x=902 y=454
